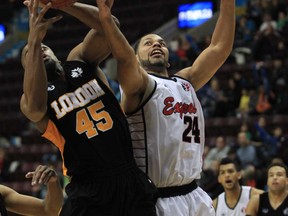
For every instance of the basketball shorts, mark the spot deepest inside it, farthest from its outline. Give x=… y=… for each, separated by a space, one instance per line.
x=126 y=194
x=195 y=203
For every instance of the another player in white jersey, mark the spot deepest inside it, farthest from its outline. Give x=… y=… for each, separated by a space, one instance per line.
x=234 y=200
x=166 y=119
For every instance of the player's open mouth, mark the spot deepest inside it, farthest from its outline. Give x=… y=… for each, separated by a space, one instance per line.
x=157 y=52
x=228 y=181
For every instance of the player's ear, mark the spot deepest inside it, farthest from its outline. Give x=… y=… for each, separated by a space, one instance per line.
x=240 y=174
x=137 y=57
x=219 y=181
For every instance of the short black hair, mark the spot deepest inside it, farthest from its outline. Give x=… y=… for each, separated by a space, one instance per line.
x=227 y=160
x=280 y=165
x=136 y=45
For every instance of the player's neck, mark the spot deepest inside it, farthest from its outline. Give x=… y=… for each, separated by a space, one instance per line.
x=160 y=73
x=277 y=196
x=233 y=193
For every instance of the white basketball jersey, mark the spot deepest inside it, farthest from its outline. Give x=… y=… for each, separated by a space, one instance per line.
x=239 y=210
x=168 y=133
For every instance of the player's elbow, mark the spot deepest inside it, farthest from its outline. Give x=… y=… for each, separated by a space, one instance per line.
x=34 y=114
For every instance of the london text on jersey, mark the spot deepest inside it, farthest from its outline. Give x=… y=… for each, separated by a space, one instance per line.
x=79 y=98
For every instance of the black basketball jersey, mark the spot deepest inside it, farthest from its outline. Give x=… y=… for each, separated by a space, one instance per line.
x=265 y=208
x=3 y=211
x=89 y=118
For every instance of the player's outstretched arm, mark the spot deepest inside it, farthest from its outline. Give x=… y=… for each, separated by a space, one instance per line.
x=212 y=58
x=132 y=78
x=34 y=98
x=28 y=205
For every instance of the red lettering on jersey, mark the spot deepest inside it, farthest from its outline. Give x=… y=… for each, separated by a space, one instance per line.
x=178 y=107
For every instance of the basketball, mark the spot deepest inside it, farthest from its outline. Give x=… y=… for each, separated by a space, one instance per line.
x=57 y=4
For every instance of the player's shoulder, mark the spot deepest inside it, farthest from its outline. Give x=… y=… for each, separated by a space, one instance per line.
x=215 y=202
x=256 y=191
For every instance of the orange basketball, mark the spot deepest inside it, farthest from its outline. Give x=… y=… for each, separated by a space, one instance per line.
x=57 y=4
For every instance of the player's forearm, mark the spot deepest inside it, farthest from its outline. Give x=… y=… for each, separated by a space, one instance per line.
x=54 y=198
x=35 y=81
x=87 y=14
x=120 y=47
x=223 y=35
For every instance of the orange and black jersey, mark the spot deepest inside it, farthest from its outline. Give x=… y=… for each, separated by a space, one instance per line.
x=87 y=123
x=3 y=211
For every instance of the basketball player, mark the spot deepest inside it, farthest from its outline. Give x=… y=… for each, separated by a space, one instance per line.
x=233 y=201
x=82 y=117
x=166 y=118
x=275 y=201
x=28 y=205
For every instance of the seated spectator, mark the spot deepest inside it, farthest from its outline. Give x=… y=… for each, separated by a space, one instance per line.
x=246 y=151
x=243 y=108
x=4 y=165
x=216 y=153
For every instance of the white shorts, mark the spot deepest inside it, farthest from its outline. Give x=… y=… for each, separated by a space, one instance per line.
x=195 y=203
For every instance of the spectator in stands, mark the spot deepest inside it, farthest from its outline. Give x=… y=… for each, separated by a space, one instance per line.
x=28 y=205
x=255 y=12
x=260 y=76
x=247 y=151
x=218 y=152
x=269 y=141
x=283 y=148
x=218 y=95
x=4 y=165
x=275 y=200
x=245 y=128
x=233 y=95
x=268 y=22
x=265 y=43
x=282 y=21
x=243 y=108
x=261 y=122
x=245 y=31
x=264 y=105
x=233 y=201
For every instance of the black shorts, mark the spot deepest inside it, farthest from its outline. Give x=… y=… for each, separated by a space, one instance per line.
x=127 y=194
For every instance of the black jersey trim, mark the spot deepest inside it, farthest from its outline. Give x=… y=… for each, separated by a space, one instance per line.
x=240 y=194
x=145 y=101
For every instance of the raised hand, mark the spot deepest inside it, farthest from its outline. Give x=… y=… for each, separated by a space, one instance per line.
x=104 y=7
x=37 y=23
x=42 y=175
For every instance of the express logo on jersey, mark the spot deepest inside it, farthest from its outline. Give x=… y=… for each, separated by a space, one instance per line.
x=185 y=86
x=177 y=107
x=285 y=212
x=75 y=73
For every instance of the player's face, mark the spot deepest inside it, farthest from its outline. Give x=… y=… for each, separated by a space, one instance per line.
x=277 y=179
x=228 y=176
x=52 y=64
x=153 y=53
